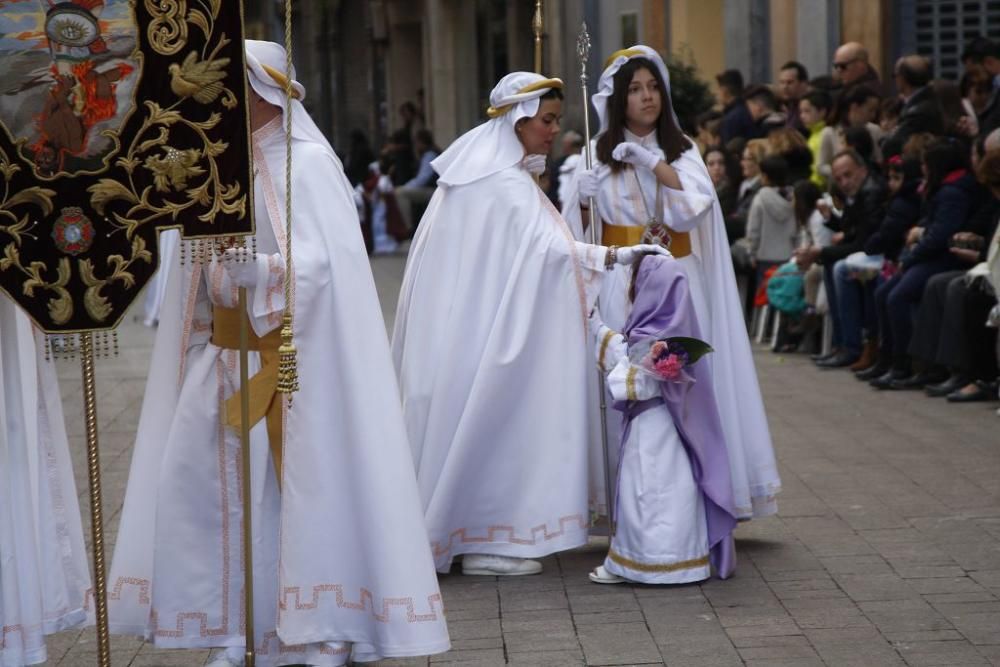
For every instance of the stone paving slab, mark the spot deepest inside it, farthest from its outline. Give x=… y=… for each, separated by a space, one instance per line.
x=886 y=550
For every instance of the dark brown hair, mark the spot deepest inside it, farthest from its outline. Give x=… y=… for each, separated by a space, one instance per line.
x=668 y=135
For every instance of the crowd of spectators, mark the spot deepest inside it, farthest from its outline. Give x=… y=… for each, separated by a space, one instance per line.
x=869 y=207
x=874 y=207
x=392 y=190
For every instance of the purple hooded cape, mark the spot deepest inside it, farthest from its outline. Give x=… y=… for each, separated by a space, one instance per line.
x=663 y=309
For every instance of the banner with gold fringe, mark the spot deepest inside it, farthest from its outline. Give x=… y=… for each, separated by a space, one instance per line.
x=118 y=118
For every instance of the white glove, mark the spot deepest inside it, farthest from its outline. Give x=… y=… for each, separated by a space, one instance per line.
x=626 y=256
x=634 y=154
x=594 y=322
x=242 y=273
x=589 y=184
x=533 y=164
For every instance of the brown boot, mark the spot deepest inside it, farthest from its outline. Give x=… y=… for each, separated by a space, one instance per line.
x=869 y=355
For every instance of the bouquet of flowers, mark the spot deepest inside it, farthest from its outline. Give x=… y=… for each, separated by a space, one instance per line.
x=666 y=359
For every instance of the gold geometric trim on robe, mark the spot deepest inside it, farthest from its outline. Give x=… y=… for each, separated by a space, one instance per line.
x=604 y=348
x=659 y=567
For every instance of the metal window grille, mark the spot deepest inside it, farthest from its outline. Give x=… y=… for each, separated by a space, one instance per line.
x=942 y=28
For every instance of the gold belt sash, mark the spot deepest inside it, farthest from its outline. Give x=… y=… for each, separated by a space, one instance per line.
x=626 y=235
x=263 y=386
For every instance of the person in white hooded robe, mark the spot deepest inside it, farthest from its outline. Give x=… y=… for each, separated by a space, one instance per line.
x=648 y=181
x=340 y=559
x=44 y=576
x=491 y=345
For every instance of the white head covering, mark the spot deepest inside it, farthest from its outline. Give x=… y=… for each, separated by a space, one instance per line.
x=266 y=73
x=606 y=85
x=494 y=146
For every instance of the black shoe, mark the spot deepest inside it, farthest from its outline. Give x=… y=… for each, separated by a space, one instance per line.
x=982 y=393
x=878 y=370
x=885 y=380
x=915 y=381
x=842 y=359
x=954 y=383
x=823 y=357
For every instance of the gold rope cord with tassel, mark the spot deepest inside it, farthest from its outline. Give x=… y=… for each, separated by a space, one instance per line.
x=288 y=374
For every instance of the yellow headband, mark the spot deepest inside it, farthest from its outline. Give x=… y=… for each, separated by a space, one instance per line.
x=625 y=53
x=530 y=88
x=280 y=79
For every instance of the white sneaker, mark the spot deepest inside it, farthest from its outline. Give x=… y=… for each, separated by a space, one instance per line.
x=601 y=576
x=499 y=566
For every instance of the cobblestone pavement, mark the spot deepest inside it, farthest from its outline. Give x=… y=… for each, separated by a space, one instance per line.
x=886 y=550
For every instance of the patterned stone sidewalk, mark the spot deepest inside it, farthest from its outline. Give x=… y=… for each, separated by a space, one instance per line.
x=886 y=550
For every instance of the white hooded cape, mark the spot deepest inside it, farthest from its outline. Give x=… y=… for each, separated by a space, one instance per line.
x=44 y=577
x=490 y=344
x=341 y=552
x=713 y=291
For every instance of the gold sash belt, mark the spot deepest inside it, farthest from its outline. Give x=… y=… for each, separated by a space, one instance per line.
x=263 y=386
x=626 y=235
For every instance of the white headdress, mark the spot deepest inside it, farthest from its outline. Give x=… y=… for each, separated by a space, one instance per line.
x=606 y=85
x=266 y=73
x=494 y=146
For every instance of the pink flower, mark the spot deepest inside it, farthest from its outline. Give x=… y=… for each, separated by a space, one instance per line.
x=670 y=367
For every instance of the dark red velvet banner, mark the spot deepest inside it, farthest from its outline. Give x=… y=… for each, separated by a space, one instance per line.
x=118 y=118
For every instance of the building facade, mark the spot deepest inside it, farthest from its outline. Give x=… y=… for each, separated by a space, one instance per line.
x=362 y=59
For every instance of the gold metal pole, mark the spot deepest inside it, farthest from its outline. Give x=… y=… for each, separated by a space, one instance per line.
x=96 y=503
x=249 y=656
x=537 y=23
x=583 y=52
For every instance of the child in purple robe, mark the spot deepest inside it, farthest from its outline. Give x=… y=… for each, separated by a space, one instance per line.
x=674 y=516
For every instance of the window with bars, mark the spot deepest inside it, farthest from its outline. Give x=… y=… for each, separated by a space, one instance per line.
x=941 y=28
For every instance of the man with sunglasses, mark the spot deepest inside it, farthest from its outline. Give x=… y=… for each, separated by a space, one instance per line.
x=851 y=67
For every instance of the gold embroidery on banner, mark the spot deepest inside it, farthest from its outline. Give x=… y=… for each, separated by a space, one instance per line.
x=172 y=169
x=630 y=383
x=94 y=302
x=37 y=196
x=657 y=567
x=168 y=31
x=604 y=348
x=61 y=305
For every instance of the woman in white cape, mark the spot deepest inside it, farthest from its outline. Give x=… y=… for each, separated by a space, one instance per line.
x=649 y=182
x=44 y=577
x=490 y=344
x=341 y=565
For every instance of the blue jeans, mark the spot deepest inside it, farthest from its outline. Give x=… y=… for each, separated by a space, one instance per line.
x=856 y=307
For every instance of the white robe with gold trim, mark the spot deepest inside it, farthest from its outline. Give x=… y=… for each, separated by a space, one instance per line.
x=340 y=553
x=492 y=351
x=44 y=576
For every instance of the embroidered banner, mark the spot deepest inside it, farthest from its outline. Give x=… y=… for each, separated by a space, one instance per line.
x=118 y=118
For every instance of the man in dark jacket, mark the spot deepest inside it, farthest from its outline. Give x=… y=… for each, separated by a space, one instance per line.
x=736 y=119
x=989 y=119
x=851 y=68
x=865 y=209
x=920 y=110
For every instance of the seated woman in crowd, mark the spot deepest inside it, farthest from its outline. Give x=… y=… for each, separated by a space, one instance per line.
x=724 y=173
x=951 y=195
x=949 y=323
x=902 y=213
x=858 y=106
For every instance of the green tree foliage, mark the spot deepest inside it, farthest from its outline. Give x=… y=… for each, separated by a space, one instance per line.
x=691 y=96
